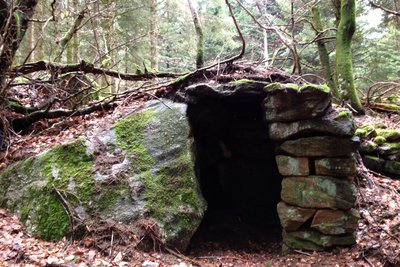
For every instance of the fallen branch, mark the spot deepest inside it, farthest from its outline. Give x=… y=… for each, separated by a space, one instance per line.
x=86 y=67
x=21 y=123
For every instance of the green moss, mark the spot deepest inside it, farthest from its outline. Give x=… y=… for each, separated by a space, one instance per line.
x=53 y=222
x=344 y=114
x=272 y=87
x=109 y=195
x=171 y=187
x=66 y=168
x=389 y=135
x=372 y=158
x=241 y=81
x=69 y=166
x=279 y=86
x=393 y=145
x=392 y=107
x=323 y=88
x=379 y=140
x=291 y=86
x=130 y=136
x=362 y=133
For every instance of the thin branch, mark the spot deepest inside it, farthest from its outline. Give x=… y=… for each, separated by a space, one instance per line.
x=393 y=12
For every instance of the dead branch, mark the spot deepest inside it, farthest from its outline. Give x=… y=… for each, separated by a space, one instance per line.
x=19 y=124
x=393 y=12
x=86 y=68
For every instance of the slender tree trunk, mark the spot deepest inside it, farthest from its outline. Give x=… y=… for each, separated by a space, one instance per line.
x=199 y=36
x=344 y=65
x=154 y=35
x=323 y=52
x=266 y=51
x=69 y=35
x=11 y=37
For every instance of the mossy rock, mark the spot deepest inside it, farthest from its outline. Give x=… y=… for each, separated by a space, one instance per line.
x=32 y=188
x=289 y=102
x=388 y=134
x=141 y=168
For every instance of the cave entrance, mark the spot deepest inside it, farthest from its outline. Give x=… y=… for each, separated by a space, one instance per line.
x=236 y=168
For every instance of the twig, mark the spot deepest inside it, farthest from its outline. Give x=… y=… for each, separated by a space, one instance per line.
x=111 y=245
x=181 y=256
x=302 y=252
x=368 y=261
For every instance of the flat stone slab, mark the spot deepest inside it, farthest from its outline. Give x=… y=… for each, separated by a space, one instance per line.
x=374 y=163
x=291 y=166
x=287 y=103
x=320 y=146
x=291 y=217
x=318 y=192
x=335 y=222
x=313 y=240
x=333 y=123
x=341 y=167
x=392 y=167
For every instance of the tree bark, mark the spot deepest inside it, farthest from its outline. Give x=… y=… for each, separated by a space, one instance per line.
x=199 y=36
x=344 y=65
x=13 y=26
x=323 y=52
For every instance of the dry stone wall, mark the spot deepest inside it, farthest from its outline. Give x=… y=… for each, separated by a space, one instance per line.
x=315 y=156
x=315 y=146
x=380 y=149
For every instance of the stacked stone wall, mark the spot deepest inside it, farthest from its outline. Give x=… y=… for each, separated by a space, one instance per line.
x=315 y=156
x=380 y=149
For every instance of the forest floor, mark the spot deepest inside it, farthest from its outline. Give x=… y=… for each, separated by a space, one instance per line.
x=378 y=242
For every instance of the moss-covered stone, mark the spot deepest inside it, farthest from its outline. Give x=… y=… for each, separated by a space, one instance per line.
x=368 y=147
x=141 y=168
x=32 y=193
x=374 y=163
x=324 y=88
x=345 y=113
x=313 y=240
x=287 y=102
x=164 y=167
x=281 y=86
x=392 y=167
x=388 y=134
x=379 y=140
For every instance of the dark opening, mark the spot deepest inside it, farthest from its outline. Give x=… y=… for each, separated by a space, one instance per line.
x=236 y=168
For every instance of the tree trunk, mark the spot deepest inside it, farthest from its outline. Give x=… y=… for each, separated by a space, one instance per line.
x=154 y=35
x=12 y=36
x=199 y=36
x=344 y=65
x=323 y=52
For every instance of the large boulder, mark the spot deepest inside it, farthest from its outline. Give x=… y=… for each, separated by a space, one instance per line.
x=139 y=169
